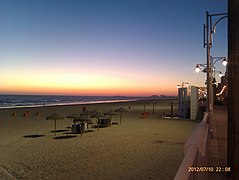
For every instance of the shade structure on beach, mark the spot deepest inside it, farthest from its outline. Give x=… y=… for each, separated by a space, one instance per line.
x=88 y=113
x=97 y=115
x=110 y=113
x=82 y=119
x=55 y=117
x=120 y=110
x=72 y=116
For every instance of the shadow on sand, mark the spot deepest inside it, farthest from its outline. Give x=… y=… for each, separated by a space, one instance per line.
x=33 y=136
x=64 y=137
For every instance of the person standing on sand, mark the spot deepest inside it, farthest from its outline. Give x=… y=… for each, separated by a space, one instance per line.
x=84 y=109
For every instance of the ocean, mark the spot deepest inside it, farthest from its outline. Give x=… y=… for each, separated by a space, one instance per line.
x=17 y=101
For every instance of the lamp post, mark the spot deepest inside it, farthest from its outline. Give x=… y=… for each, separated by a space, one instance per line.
x=209 y=30
x=211 y=72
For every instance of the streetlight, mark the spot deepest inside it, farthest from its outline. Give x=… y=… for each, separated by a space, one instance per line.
x=220 y=74
x=224 y=62
x=213 y=61
x=209 y=30
x=216 y=59
x=211 y=80
x=198 y=67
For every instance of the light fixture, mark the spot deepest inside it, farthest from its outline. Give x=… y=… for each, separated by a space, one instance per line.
x=204 y=70
x=224 y=62
x=197 y=68
x=220 y=74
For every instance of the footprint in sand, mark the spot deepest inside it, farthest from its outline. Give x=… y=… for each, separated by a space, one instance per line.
x=14 y=170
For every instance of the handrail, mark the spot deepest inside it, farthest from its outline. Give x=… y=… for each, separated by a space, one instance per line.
x=188 y=161
x=196 y=152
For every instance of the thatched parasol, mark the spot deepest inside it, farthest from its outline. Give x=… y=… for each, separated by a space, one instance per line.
x=120 y=110
x=73 y=116
x=110 y=113
x=88 y=113
x=97 y=115
x=82 y=119
x=55 y=117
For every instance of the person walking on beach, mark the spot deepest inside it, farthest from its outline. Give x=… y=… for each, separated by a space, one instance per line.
x=84 y=109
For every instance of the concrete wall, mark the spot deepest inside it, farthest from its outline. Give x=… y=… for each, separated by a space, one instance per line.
x=194 y=102
x=183 y=103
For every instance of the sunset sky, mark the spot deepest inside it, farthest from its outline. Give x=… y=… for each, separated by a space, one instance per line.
x=105 y=47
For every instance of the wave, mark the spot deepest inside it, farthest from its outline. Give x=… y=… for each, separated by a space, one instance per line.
x=19 y=101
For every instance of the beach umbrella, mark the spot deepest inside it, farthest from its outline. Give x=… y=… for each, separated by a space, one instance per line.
x=82 y=119
x=88 y=113
x=120 y=110
x=73 y=116
x=110 y=113
x=54 y=117
x=97 y=115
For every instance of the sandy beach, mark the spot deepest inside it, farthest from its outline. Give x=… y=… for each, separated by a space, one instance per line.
x=139 y=148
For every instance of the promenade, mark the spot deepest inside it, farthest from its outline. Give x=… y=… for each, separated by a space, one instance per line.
x=218 y=144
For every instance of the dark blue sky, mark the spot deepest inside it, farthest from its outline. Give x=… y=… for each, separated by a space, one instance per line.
x=104 y=46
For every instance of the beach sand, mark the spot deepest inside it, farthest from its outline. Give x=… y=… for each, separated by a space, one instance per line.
x=150 y=148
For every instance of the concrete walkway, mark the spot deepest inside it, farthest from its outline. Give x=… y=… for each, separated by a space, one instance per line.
x=218 y=143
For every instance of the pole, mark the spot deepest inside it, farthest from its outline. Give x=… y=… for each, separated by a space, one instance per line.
x=171 y=109
x=208 y=44
x=153 y=108
x=209 y=63
x=55 y=127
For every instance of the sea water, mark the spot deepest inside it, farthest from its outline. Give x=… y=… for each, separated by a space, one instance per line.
x=15 y=101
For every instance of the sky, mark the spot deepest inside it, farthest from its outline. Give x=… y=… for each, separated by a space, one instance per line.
x=105 y=47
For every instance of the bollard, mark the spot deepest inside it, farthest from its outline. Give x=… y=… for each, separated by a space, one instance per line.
x=14 y=114
x=28 y=113
x=25 y=114
x=171 y=109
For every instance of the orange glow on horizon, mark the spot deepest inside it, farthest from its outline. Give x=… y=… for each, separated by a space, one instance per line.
x=110 y=91
x=90 y=83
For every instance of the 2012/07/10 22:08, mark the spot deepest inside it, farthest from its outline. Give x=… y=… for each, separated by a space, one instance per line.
x=209 y=169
